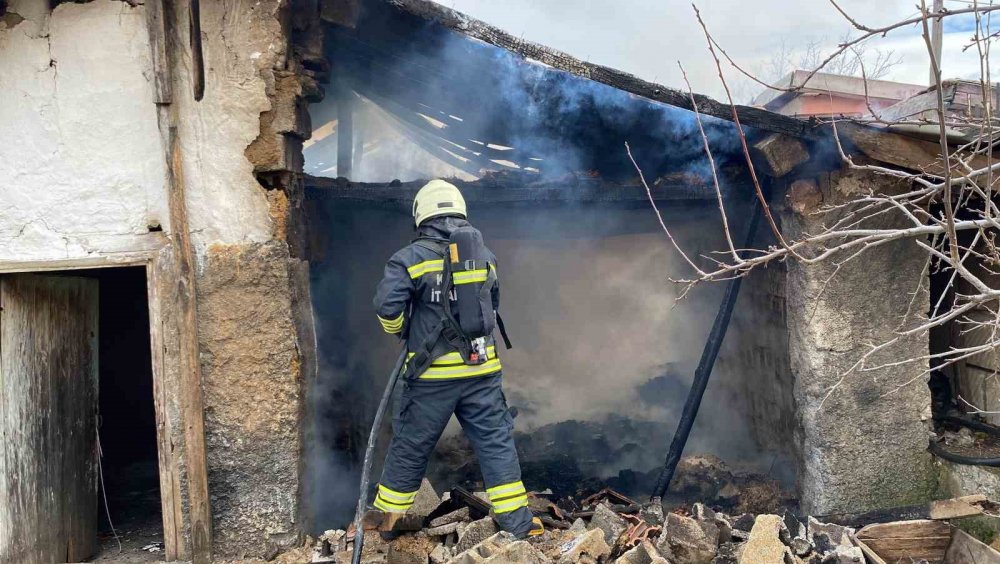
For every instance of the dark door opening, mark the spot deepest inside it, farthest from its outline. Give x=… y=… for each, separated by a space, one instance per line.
x=127 y=420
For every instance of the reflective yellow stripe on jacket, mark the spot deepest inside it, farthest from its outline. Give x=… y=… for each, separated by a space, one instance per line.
x=437 y=265
x=469 y=276
x=428 y=266
x=391 y=326
x=449 y=366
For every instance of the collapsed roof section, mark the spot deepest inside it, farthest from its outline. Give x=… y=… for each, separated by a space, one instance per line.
x=481 y=101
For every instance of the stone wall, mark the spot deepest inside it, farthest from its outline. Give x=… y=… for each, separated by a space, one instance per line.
x=755 y=358
x=864 y=442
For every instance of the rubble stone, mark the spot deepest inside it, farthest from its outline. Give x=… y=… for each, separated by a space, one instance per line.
x=842 y=555
x=831 y=534
x=728 y=553
x=765 y=546
x=702 y=512
x=609 y=522
x=743 y=522
x=578 y=526
x=588 y=545
x=442 y=530
x=520 y=552
x=427 y=499
x=687 y=541
x=645 y=553
x=344 y=557
x=453 y=517
x=475 y=533
x=801 y=547
x=408 y=550
x=652 y=512
x=440 y=555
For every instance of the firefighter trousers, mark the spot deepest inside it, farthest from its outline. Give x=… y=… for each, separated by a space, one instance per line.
x=481 y=408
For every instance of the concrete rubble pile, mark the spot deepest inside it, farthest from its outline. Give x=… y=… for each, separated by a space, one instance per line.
x=607 y=527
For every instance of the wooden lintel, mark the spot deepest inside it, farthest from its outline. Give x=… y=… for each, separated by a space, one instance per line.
x=483 y=192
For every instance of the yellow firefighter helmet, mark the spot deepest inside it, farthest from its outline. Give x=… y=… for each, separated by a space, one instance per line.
x=437 y=198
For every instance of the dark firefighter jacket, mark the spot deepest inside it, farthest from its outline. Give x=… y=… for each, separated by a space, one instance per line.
x=412 y=286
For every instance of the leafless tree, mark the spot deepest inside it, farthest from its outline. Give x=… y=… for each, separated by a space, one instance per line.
x=785 y=58
x=949 y=210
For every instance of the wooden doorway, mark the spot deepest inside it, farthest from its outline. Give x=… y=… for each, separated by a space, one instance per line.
x=77 y=390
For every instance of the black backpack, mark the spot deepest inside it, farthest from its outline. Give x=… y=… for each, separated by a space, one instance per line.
x=471 y=318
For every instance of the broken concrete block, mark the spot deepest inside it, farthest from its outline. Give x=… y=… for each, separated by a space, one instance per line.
x=427 y=500
x=588 y=545
x=475 y=533
x=578 y=526
x=609 y=522
x=453 y=517
x=644 y=553
x=765 y=546
x=520 y=552
x=483 y=550
x=687 y=541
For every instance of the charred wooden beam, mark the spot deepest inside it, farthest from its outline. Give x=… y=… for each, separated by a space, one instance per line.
x=596 y=191
x=461 y=23
x=776 y=155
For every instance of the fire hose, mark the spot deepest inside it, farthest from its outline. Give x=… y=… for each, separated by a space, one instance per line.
x=704 y=370
x=366 y=469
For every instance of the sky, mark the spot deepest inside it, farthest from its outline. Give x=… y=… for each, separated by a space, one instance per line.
x=649 y=37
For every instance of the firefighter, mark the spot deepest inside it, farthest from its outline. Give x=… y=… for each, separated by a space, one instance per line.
x=447 y=371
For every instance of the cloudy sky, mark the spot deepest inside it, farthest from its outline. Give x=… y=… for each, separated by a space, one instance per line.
x=648 y=37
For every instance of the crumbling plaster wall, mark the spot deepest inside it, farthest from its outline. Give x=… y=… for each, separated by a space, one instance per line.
x=83 y=174
x=81 y=165
x=864 y=442
x=251 y=289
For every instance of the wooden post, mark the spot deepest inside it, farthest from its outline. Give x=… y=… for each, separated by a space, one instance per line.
x=180 y=282
x=345 y=130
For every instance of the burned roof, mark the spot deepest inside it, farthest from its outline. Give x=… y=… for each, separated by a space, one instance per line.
x=474 y=95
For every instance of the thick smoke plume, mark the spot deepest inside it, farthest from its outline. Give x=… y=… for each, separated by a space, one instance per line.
x=584 y=289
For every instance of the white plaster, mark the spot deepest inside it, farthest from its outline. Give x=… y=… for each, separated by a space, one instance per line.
x=226 y=204
x=81 y=162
